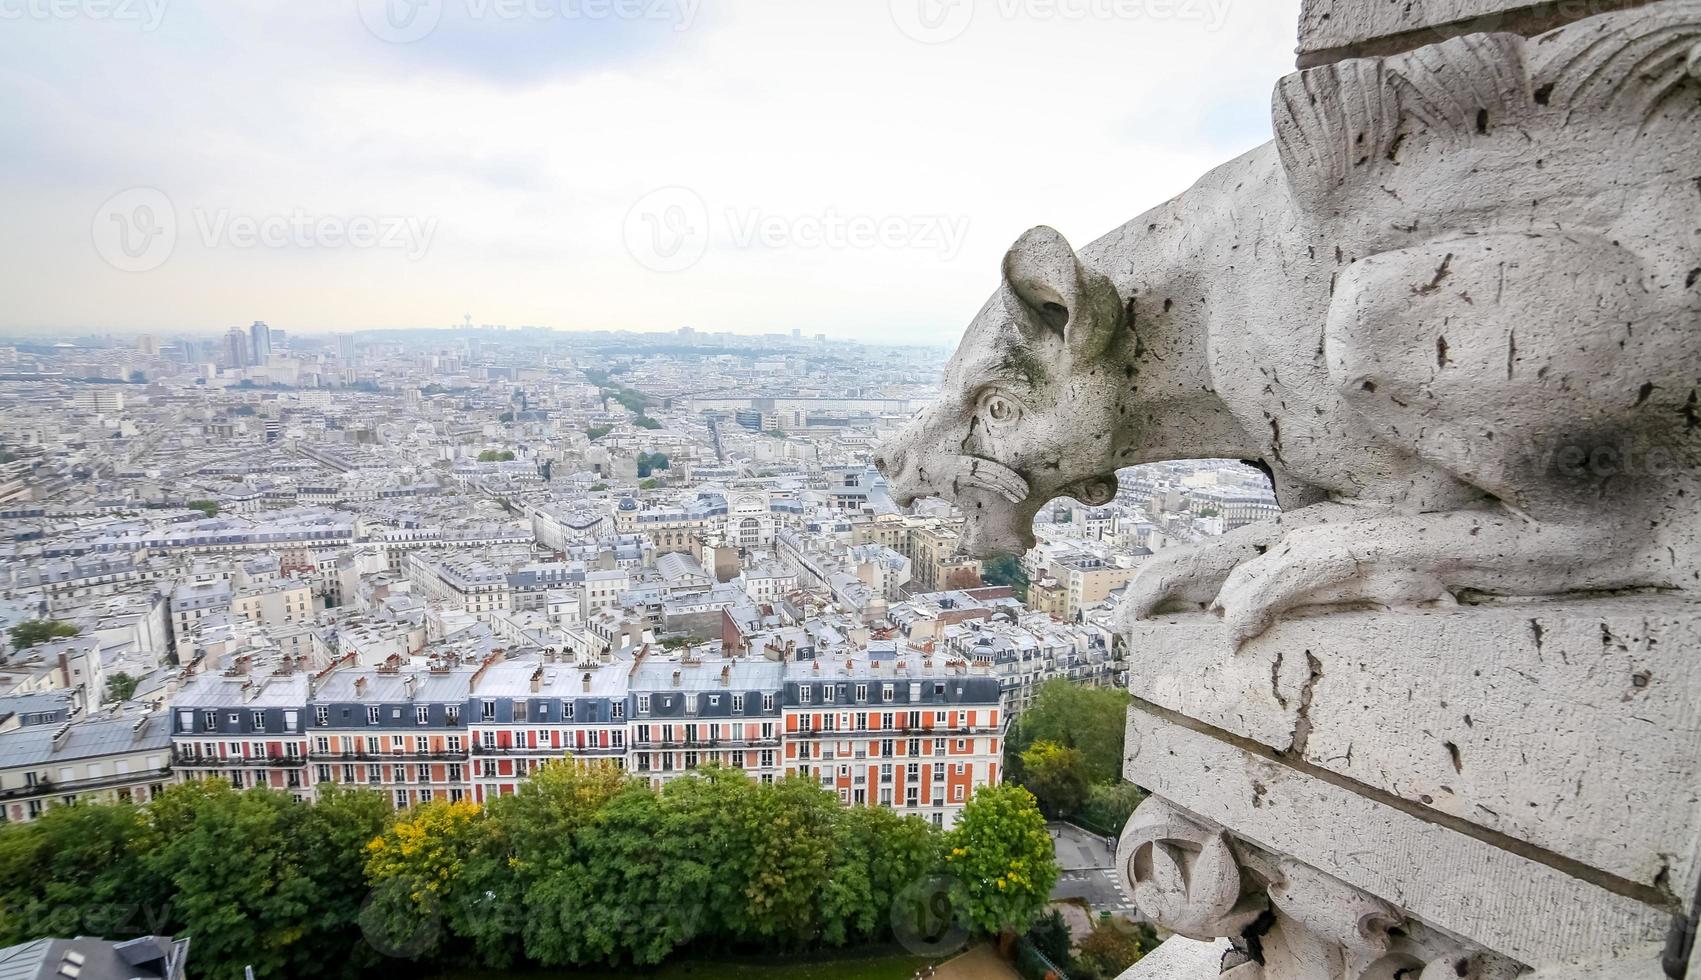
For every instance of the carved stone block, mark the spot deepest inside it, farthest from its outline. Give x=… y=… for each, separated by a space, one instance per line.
x=1573 y=726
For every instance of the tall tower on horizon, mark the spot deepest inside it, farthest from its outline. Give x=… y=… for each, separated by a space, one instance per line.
x=260 y=341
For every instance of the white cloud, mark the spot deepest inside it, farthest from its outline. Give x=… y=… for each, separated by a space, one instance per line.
x=801 y=116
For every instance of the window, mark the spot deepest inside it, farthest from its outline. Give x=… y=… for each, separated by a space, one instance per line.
x=827 y=694
x=804 y=694
x=321 y=716
x=567 y=711
x=738 y=703
x=862 y=692
x=372 y=714
x=421 y=744
x=488 y=709
x=209 y=720
x=643 y=704
x=422 y=714
x=767 y=702
x=886 y=692
x=690 y=704
x=618 y=710
x=452 y=714
x=322 y=745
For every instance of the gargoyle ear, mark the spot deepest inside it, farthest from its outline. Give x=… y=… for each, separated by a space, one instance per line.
x=1049 y=289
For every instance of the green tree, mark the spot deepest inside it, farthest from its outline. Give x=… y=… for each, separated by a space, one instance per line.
x=120 y=687
x=651 y=850
x=1051 y=934
x=598 y=431
x=496 y=456
x=1001 y=860
x=80 y=869
x=649 y=484
x=1111 y=949
x=1057 y=776
x=207 y=507
x=333 y=837
x=876 y=855
x=421 y=868
x=28 y=634
x=1006 y=570
x=645 y=422
x=1092 y=719
x=505 y=417
x=598 y=487
x=239 y=880
x=1109 y=805
x=546 y=823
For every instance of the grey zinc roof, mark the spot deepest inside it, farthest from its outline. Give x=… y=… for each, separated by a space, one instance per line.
x=745 y=675
x=87 y=739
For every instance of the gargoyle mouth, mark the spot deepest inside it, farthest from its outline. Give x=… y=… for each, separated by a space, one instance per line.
x=986 y=474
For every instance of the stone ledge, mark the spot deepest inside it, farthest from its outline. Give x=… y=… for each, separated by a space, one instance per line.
x=1573 y=725
x=1334 y=30
x=1522 y=908
x=1180 y=958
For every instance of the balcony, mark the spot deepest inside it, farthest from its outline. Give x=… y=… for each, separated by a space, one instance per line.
x=47 y=787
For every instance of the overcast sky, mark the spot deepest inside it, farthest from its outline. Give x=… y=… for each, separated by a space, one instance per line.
x=853 y=167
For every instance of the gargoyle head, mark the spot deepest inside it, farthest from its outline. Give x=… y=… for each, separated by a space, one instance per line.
x=1029 y=407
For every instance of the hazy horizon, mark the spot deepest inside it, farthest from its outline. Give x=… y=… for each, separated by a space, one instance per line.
x=855 y=169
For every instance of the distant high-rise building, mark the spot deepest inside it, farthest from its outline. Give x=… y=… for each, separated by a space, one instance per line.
x=260 y=341
x=345 y=348
x=148 y=345
x=237 y=353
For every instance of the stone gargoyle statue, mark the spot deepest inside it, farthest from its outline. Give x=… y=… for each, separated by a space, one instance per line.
x=1454 y=309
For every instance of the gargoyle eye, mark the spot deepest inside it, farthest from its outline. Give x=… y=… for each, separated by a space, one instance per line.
x=1000 y=409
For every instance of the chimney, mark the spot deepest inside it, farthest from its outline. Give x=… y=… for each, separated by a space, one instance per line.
x=60 y=734
x=726 y=675
x=587 y=682
x=676 y=676
x=537 y=680
x=360 y=686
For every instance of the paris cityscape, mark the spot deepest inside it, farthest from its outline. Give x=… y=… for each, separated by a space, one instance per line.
x=850 y=490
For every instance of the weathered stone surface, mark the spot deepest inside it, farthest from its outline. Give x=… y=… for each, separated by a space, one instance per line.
x=1574 y=725
x=1331 y=29
x=1520 y=908
x=1451 y=308
x=1180 y=959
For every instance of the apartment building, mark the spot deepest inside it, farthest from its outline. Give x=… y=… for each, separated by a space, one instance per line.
x=687 y=714
x=525 y=713
x=899 y=730
x=250 y=730
x=100 y=760
x=395 y=731
x=905 y=731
